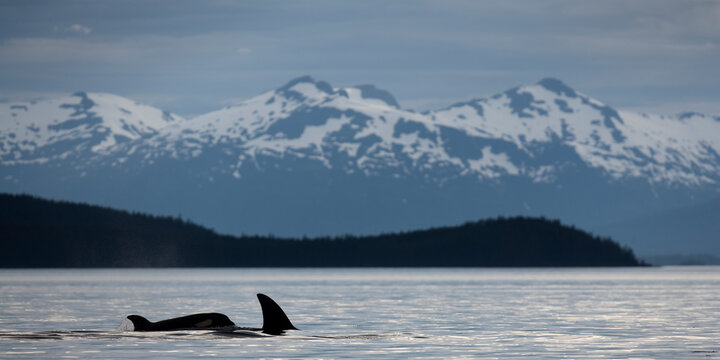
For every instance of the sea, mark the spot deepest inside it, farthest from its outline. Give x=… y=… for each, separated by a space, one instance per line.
x=361 y=313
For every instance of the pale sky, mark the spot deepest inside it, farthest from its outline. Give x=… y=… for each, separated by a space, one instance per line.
x=191 y=57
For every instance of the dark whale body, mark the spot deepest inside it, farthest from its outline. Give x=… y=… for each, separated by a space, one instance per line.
x=275 y=322
x=194 y=321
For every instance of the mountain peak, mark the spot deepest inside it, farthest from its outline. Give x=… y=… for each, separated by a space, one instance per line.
x=299 y=90
x=557 y=87
x=371 y=92
x=298 y=80
x=307 y=79
x=85 y=103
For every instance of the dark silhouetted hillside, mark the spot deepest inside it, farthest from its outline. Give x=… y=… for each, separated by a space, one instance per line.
x=41 y=233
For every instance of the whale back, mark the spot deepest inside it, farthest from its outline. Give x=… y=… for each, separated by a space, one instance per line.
x=189 y=322
x=274 y=319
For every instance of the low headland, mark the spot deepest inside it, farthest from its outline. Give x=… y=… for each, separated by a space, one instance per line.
x=37 y=233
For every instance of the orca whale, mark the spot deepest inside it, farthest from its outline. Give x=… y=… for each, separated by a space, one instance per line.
x=194 y=321
x=275 y=322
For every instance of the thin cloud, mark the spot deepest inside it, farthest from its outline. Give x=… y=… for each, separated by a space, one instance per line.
x=75 y=29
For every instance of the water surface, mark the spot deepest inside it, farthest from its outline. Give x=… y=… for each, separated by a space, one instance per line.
x=668 y=313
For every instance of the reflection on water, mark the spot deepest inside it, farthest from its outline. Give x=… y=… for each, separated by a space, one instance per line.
x=360 y=313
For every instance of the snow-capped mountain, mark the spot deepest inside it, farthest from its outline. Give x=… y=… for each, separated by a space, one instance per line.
x=81 y=124
x=670 y=150
x=363 y=130
x=308 y=158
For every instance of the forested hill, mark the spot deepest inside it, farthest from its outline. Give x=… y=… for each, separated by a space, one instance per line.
x=41 y=233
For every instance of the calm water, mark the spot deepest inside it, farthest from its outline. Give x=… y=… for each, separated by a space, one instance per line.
x=666 y=313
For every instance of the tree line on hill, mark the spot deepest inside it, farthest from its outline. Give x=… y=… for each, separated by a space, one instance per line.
x=42 y=233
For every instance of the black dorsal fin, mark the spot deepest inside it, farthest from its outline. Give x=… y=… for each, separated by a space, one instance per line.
x=274 y=319
x=139 y=323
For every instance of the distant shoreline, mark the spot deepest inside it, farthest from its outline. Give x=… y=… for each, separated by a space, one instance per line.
x=40 y=233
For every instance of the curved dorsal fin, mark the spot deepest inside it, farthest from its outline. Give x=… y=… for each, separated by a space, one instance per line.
x=274 y=318
x=139 y=323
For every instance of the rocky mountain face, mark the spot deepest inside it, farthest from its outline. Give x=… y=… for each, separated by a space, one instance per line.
x=311 y=159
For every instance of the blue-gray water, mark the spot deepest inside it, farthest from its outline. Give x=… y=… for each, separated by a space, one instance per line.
x=667 y=313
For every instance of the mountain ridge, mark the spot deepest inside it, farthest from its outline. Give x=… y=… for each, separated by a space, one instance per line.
x=347 y=124
x=311 y=112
